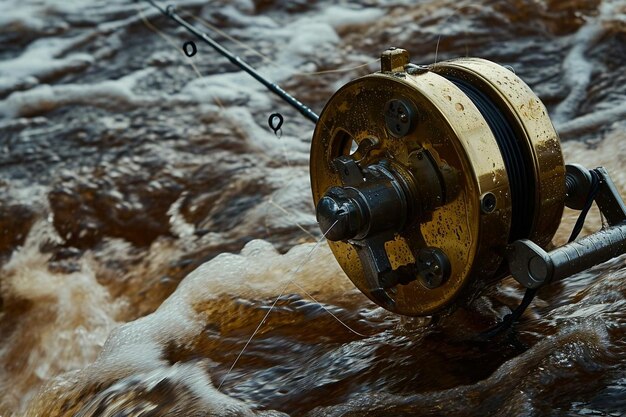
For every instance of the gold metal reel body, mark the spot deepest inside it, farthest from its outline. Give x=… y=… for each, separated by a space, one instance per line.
x=438 y=135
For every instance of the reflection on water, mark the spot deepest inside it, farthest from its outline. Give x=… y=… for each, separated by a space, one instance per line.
x=121 y=172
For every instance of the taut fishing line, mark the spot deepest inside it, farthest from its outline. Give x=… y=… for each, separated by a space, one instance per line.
x=282 y=291
x=454 y=13
x=290 y=214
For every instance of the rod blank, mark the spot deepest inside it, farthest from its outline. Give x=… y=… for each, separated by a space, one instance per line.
x=170 y=11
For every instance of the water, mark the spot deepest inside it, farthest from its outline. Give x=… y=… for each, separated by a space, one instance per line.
x=122 y=172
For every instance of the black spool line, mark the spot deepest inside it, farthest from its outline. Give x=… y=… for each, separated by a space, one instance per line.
x=517 y=162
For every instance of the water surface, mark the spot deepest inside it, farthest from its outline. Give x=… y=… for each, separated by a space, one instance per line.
x=149 y=218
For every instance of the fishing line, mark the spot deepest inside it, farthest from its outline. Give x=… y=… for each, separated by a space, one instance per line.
x=184 y=50
x=287 y=212
x=170 y=12
x=173 y=43
x=169 y=40
x=214 y=28
x=519 y=169
x=453 y=14
x=327 y=310
x=263 y=57
x=304 y=261
x=337 y=70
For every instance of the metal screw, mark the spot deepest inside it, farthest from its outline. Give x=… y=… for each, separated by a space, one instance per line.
x=488 y=203
x=433 y=266
x=399 y=117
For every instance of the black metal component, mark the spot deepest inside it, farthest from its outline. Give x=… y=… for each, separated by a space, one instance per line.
x=372 y=205
x=608 y=199
x=577 y=176
x=578 y=182
x=399 y=117
x=592 y=193
x=379 y=274
x=364 y=148
x=431 y=186
x=189 y=48
x=170 y=12
x=338 y=207
x=360 y=210
x=362 y=206
x=348 y=170
x=275 y=122
x=533 y=267
x=488 y=203
x=433 y=267
x=376 y=267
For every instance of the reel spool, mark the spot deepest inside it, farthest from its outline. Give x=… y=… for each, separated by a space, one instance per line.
x=435 y=182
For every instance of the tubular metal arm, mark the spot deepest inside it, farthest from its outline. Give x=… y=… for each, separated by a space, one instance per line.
x=533 y=267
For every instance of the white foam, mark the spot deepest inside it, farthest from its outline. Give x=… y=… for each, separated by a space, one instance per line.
x=184 y=386
x=67 y=321
x=339 y=15
x=135 y=350
x=111 y=94
x=40 y=60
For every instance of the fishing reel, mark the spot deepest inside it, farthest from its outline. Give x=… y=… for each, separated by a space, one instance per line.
x=434 y=182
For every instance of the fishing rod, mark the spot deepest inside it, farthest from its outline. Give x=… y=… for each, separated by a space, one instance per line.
x=170 y=11
x=433 y=183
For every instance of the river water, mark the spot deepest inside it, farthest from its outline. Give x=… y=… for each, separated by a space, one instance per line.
x=149 y=218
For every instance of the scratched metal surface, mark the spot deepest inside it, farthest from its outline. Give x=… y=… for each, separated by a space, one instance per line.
x=121 y=172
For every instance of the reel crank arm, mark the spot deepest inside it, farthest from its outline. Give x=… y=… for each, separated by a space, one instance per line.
x=533 y=267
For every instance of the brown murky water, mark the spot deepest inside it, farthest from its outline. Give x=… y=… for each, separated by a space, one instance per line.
x=148 y=218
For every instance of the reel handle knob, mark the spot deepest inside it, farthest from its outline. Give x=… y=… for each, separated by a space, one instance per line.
x=338 y=215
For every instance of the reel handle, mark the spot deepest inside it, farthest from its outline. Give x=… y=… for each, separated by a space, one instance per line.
x=533 y=267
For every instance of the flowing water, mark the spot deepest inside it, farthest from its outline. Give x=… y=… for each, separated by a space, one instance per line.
x=149 y=218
